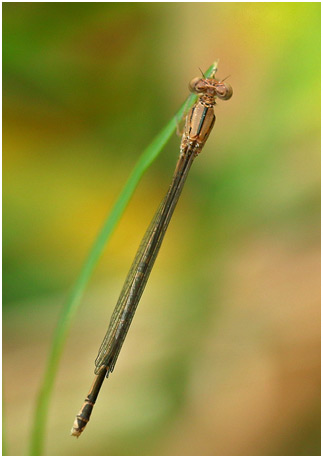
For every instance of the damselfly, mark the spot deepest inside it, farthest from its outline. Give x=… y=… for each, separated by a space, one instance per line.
x=198 y=125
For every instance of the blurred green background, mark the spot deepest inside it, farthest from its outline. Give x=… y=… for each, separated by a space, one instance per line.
x=223 y=357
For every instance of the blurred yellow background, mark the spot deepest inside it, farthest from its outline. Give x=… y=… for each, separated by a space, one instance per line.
x=223 y=356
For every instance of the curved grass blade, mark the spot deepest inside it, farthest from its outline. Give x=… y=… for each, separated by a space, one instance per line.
x=73 y=301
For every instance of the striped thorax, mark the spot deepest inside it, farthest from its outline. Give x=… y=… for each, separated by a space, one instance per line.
x=200 y=119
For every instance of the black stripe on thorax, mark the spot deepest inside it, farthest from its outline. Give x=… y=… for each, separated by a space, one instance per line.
x=205 y=109
x=192 y=112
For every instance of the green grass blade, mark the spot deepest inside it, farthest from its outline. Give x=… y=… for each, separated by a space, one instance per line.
x=73 y=301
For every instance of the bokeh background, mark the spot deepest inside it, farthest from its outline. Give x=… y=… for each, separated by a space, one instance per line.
x=223 y=357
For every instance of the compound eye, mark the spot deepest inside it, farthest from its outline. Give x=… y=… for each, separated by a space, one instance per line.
x=223 y=91
x=197 y=85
